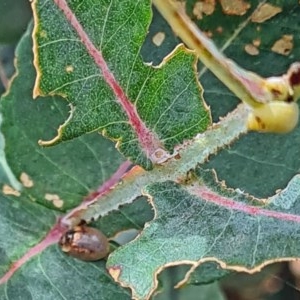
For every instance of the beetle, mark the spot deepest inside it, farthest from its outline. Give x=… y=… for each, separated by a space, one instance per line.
x=84 y=243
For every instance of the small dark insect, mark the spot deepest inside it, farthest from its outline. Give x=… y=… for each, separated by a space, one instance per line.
x=85 y=243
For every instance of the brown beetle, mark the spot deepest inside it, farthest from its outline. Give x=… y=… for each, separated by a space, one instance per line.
x=85 y=243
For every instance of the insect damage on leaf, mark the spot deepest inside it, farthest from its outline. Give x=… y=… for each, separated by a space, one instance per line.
x=26 y=180
x=206 y=7
x=235 y=7
x=260 y=94
x=141 y=108
x=8 y=190
x=284 y=45
x=265 y=12
x=251 y=49
x=69 y=69
x=55 y=199
x=158 y=38
x=115 y=272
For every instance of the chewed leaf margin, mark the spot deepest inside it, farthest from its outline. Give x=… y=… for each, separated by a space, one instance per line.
x=204 y=221
x=147 y=112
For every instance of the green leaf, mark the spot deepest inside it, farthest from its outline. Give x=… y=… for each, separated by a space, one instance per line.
x=127 y=217
x=203 y=222
x=206 y=273
x=72 y=171
x=100 y=72
x=205 y=292
x=197 y=221
x=257 y=163
x=23 y=223
x=52 y=275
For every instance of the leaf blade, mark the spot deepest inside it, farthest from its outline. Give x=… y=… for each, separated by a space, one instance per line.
x=132 y=123
x=205 y=222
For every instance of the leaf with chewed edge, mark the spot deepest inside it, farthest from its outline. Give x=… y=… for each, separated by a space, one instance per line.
x=55 y=177
x=193 y=221
x=88 y=52
x=31 y=264
x=203 y=222
x=47 y=272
